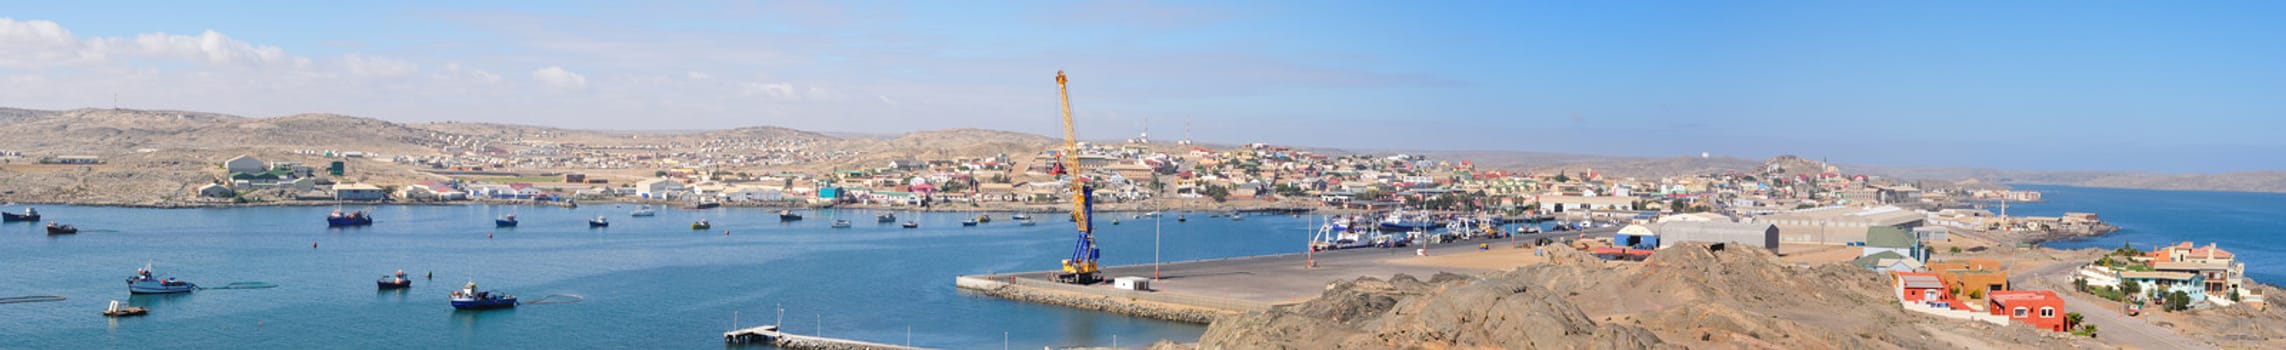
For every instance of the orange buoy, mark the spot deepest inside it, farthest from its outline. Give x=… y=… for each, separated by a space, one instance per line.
x=313 y=245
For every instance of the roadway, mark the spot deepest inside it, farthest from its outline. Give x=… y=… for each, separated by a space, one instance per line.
x=2112 y=326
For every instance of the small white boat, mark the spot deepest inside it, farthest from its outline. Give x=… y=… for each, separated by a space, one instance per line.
x=644 y=211
x=841 y=224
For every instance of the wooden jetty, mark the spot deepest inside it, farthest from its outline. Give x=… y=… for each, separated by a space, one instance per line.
x=770 y=335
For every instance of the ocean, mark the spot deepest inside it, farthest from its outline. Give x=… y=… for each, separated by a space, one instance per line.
x=645 y=282
x=2246 y=224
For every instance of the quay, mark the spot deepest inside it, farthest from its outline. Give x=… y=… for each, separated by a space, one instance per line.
x=770 y=335
x=1202 y=291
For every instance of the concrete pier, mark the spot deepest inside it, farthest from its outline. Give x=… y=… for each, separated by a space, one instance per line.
x=1205 y=290
x=770 y=335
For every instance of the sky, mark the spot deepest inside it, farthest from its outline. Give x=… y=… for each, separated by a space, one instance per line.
x=2037 y=85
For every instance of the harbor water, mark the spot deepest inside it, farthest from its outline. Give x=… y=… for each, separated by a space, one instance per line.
x=649 y=282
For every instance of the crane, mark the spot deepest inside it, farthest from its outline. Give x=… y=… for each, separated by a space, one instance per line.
x=1081 y=267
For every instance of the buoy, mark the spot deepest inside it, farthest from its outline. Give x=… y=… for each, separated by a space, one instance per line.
x=726 y=232
x=487 y=236
x=313 y=245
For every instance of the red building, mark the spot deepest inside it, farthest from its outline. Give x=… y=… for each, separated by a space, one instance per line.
x=2038 y=308
x=1924 y=288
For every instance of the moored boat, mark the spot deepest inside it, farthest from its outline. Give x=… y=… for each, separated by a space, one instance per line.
x=505 y=221
x=397 y=281
x=910 y=224
x=644 y=211
x=356 y=218
x=28 y=215
x=117 y=310
x=841 y=224
x=983 y=218
x=468 y=298
x=1020 y=217
x=1026 y=223
x=885 y=218
x=701 y=225
x=788 y=215
x=146 y=282
x=970 y=222
x=598 y=221
x=61 y=229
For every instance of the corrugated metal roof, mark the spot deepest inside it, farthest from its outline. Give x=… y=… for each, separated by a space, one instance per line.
x=1922 y=282
x=1888 y=237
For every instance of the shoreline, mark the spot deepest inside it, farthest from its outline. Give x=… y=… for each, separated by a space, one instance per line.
x=949 y=208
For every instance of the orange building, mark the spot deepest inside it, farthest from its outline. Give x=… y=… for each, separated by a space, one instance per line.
x=2038 y=308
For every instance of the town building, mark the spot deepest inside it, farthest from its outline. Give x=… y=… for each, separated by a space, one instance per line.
x=357 y=192
x=1839 y=225
x=1891 y=239
x=244 y=164
x=1760 y=235
x=216 y=191
x=2038 y=308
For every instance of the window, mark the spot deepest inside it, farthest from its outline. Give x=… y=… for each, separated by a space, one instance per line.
x=2047 y=312
x=2020 y=311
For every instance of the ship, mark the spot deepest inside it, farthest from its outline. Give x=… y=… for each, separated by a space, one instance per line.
x=397 y=281
x=841 y=224
x=644 y=211
x=468 y=298
x=701 y=225
x=61 y=229
x=146 y=282
x=1400 y=221
x=788 y=215
x=885 y=218
x=28 y=215
x=598 y=221
x=356 y=218
x=910 y=224
x=505 y=221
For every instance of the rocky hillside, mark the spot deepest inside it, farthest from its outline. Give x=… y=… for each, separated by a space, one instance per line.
x=1690 y=296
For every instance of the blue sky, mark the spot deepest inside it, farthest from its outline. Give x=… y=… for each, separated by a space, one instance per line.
x=2173 y=87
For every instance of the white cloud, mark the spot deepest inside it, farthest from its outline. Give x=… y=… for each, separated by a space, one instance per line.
x=210 y=46
x=558 y=77
x=695 y=75
x=887 y=101
x=36 y=44
x=773 y=90
x=373 y=66
x=454 y=71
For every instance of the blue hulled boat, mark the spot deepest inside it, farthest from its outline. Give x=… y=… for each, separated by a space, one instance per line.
x=468 y=298
x=146 y=282
x=504 y=221
x=598 y=221
x=356 y=218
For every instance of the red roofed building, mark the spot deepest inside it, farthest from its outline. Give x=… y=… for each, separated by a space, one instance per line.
x=2038 y=308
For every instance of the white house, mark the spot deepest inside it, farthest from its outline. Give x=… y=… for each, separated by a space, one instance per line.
x=658 y=188
x=216 y=191
x=244 y=164
x=753 y=194
x=357 y=192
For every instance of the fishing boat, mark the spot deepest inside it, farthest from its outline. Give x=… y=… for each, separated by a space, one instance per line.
x=983 y=218
x=468 y=298
x=356 y=218
x=1148 y=215
x=1181 y=218
x=28 y=215
x=505 y=221
x=598 y=221
x=841 y=224
x=397 y=281
x=1026 y=223
x=701 y=225
x=788 y=215
x=969 y=222
x=1020 y=217
x=1401 y=221
x=644 y=211
x=910 y=224
x=1236 y=217
x=117 y=310
x=146 y=282
x=705 y=205
x=61 y=229
x=885 y=218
